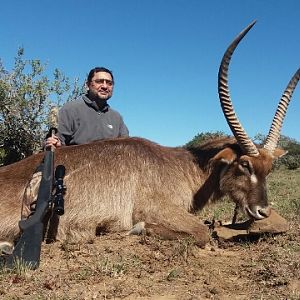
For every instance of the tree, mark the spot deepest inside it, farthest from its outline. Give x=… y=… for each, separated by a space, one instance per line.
x=26 y=96
x=204 y=137
x=292 y=159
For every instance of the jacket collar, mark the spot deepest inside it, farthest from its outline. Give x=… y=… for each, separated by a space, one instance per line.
x=103 y=107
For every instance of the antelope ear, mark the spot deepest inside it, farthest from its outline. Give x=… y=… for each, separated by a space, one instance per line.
x=277 y=153
x=226 y=156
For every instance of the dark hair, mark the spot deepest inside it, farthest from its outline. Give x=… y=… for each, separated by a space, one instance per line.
x=96 y=70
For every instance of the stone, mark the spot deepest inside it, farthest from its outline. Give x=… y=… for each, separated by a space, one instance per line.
x=274 y=224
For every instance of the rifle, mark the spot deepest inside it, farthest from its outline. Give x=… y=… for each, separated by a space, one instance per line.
x=28 y=247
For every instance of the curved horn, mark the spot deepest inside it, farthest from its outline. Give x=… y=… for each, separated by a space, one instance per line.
x=241 y=136
x=274 y=133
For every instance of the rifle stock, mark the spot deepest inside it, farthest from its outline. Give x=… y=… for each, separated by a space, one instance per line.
x=28 y=247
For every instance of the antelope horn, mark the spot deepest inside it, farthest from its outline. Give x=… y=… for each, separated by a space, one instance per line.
x=274 y=133
x=238 y=131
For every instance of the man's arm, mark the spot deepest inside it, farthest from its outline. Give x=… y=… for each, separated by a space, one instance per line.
x=65 y=125
x=123 y=129
x=64 y=132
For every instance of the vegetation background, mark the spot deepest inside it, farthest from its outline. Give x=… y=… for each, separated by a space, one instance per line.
x=26 y=97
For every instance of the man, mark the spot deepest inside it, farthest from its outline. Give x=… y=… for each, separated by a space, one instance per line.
x=90 y=118
x=86 y=119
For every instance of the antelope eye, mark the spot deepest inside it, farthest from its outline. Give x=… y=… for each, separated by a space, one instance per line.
x=245 y=164
x=245 y=167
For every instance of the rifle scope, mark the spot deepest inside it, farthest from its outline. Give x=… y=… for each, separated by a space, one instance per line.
x=58 y=205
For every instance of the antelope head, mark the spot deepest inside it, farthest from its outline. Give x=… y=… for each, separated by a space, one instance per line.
x=244 y=176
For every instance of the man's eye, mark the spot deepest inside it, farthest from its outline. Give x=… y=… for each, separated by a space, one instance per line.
x=103 y=81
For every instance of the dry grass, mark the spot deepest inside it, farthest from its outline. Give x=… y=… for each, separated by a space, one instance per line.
x=120 y=267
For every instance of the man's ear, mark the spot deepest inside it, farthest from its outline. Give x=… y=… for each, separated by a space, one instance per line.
x=277 y=153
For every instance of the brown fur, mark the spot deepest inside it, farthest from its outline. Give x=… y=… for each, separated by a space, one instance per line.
x=113 y=184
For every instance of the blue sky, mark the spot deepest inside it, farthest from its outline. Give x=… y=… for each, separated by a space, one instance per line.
x=165 y=56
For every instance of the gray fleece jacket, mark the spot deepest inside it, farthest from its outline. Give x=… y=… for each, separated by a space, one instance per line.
x=80 y=121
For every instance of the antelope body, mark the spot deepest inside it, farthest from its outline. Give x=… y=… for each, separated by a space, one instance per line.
x=114 y=184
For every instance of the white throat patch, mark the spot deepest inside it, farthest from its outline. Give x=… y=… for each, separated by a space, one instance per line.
x=253 y=178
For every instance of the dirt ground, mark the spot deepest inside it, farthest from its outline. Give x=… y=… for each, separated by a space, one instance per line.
x=117 y=266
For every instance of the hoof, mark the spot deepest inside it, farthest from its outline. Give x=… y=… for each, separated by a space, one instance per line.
x=6 y=248
x=138 y=228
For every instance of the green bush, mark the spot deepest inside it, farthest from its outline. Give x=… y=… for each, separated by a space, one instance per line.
x=291 y=162
x=203 y=137
x=25 y=94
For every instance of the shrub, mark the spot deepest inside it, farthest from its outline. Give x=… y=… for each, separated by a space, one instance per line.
x=25 y=102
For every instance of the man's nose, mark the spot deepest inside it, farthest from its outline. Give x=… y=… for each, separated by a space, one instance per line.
x=104 y=84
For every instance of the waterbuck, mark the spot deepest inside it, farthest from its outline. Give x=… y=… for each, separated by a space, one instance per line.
x=116 y=183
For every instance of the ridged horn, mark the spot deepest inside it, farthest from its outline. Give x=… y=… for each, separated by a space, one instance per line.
x=274 y=133
x=246 y=144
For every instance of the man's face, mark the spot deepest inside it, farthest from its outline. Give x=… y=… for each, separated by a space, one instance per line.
x=101 y=86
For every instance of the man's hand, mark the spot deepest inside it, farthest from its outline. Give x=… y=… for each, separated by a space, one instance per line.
x=53 y=141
